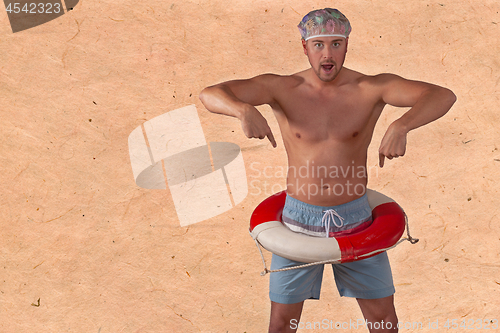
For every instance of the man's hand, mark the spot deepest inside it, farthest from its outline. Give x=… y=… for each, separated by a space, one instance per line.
x=255 y=125
x=238 y=98
x=393 y=143
x=428 y=102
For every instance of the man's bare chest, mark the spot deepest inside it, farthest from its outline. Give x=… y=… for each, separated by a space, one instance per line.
x=338 y=117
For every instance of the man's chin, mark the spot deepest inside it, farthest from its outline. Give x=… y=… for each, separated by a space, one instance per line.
x=327 y=77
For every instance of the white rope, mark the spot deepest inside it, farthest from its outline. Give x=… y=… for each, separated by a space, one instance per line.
x=409 y=238
x=329 y=215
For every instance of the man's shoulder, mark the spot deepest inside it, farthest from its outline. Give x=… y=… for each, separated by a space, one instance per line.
x=370 y=85
x=375 y=83
x=379 y=79
x=281 y=82
x=271 y=77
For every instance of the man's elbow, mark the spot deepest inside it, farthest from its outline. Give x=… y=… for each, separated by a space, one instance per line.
x=446 y=99
x=449 y=96
x=203 y=95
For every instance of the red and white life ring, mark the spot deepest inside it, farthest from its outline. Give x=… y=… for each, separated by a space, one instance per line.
x=383 y=233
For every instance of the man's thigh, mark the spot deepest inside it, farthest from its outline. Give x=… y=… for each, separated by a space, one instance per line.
x=296 y=285
x=366 y=279
x=378 y=310
x=285 y=317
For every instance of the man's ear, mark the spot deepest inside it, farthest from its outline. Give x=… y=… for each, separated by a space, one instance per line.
x=304 y=46
x=346 y=43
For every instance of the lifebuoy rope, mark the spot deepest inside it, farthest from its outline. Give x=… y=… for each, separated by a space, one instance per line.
x=266 y=270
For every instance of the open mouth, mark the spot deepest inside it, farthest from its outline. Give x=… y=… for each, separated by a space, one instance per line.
x=327 y=67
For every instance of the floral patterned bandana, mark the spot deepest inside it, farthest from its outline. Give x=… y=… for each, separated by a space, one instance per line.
x=326 y=22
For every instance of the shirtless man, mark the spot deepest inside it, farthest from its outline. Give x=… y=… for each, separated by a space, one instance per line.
x=327 y=115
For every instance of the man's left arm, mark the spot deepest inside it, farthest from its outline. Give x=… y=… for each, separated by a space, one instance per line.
x=428 y=102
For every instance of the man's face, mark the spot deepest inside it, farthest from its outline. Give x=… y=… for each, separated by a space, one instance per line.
x=326 y=55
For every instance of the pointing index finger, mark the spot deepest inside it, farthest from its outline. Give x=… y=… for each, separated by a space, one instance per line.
x=271 y=138
x=381 y=158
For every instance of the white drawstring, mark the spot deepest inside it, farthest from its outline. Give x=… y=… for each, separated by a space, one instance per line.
x=329 y=215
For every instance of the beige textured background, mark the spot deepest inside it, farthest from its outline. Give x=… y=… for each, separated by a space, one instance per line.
x=104 y=255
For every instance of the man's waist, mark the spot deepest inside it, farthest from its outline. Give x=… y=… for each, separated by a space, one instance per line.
x=326 y=192
x=332 y=220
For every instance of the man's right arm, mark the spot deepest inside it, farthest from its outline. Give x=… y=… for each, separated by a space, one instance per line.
x=238 y=99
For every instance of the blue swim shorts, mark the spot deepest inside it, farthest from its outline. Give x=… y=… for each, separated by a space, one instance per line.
x=368 y=278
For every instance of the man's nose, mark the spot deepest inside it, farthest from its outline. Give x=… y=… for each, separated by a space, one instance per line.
x=327 y=53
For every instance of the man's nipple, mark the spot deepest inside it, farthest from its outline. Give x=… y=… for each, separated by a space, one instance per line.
x=297 y=135
x=355 y=134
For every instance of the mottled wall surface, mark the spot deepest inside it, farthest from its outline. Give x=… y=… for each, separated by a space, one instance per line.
x=84 y=249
